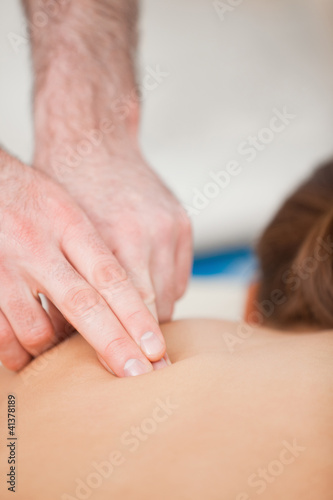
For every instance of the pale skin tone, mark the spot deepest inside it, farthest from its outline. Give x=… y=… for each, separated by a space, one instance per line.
x=231 y=412
x=232 y=419
x=95 y=231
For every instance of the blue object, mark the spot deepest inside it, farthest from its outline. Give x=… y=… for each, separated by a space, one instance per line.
x=239 y=262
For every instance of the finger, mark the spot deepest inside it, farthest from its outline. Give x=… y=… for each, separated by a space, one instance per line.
x=141 y=280
x=162 y=363
x=102 y=270
x=184 y=255
x=137 y=267
x=88 y=312
x=12 y=354
x=164 y=280
x=62 y=328
x=28 y=319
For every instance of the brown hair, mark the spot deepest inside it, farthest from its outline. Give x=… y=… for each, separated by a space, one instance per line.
x=296 y=257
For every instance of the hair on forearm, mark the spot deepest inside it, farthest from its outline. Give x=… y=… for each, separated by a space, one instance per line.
x=84 y=62
x=117 y=18
x=90 y=41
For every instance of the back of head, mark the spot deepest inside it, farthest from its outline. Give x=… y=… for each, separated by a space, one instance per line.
x=296 y=255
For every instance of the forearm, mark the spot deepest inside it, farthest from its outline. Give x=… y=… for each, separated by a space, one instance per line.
x=84 y=74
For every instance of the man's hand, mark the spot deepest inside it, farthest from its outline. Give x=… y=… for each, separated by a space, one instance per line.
x=48 y=246
x=86 y=124
x=140 y=221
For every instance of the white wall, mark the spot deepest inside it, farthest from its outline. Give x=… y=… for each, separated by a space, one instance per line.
x=224 y=79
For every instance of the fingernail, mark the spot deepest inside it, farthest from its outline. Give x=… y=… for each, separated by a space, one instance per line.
x=151 y=344
x=158 y=365
x=134 y=367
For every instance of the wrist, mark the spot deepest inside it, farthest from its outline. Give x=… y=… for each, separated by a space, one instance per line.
x=74 y=121
x=85 y=89
x=64 y=152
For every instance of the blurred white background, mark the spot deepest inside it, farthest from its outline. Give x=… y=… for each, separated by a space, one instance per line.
x=226 y=76
x=223 y=75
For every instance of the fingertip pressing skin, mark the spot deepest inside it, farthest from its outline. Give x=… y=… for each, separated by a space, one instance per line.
x=122 y=300
x=152 y=346
x=162 y=363
x=105 y=308
x=134 y=367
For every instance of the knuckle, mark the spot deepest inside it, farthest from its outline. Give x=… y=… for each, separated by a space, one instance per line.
x=21 y=312
x=24 y=232
x=72 y=220
x=83 y=302
x=5 y=336
x=75 y=218
x=147 y=294
x=140 y=279
x=95 y=243
x=117 y=346
x=144 y=287
x=63 y=206
x=34 y=337
x=61 y=272
x=109 y=274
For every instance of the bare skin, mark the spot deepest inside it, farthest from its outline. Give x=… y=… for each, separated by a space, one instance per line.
x=99 y=235
x=87 y=115
x=252 y=423
x=40 y=229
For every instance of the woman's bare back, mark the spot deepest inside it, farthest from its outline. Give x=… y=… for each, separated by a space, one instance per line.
x=240 y=414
